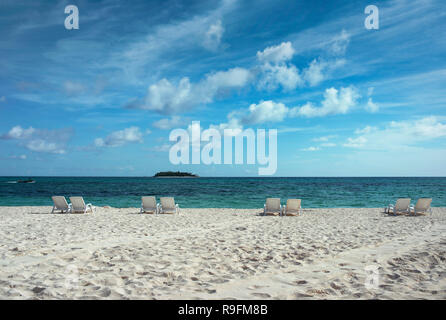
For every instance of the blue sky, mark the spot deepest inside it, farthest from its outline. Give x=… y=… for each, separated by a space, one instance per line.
x=102 y=100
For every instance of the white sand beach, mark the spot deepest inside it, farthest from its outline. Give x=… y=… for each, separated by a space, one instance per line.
x=221 y=254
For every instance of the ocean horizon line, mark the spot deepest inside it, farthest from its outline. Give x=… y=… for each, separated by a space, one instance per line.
x=174 y=177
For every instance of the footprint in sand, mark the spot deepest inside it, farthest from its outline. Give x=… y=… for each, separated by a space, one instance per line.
x=261 y=295
x=302 y=295
x=335 y=286
x=105 y=292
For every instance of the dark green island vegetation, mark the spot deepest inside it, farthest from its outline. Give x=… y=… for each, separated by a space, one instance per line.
x=174 y=174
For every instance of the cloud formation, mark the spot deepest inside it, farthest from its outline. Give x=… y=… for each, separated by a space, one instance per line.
x=166 y=123
x=398 y=134
x=266 y=111
x=212 y=38
x=168 y=98
x=276 y=54
x=276 y=70
x=319 y=70
x=40 y=140
x=335 y=102
x=120 y=138
x=273 y=70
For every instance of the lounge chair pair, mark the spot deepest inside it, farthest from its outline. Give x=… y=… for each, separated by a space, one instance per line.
x=149 y=205
x=273 y=207
x=77 y=205
x=403 y=206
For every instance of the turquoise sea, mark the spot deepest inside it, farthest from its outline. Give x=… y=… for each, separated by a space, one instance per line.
x=224 y=192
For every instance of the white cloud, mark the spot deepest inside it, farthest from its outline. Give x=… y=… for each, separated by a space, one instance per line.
x=275 y=71
x=324 y=138
x=19 y=157
x=138 y=59
x=335 y=102
x=274 y=76
x=167 y=98
x=325 y=142
x=40 y=140
x=233 y=123
x=276 y=54
x=40 y=145
x=366 y=129
x=398 y=134
x=235 y=77
x=328 y=144
x=313 y=74
x=213 y=36
x=371 y=106
x=311 y=149
x=166 y=123
x=120 y=138
x=320 y=70
x=339 y=43
x=355 y=142
x=423 y=129
x=18 y=132
x=2 y=99
x=266 y=111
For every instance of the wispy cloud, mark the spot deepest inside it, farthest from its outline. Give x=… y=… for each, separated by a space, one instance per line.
x=168 y=98
x=398 y=134
x=40 y=140
x=120 y=138
x=212 y=38
x=168 y=123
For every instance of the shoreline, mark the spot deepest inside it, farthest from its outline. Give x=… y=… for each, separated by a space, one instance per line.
x=49 y=207
x=213 y=253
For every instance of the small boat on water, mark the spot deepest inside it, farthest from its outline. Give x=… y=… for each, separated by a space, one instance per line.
x=26 y=181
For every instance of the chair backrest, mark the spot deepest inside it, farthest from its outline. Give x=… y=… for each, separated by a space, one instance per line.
x=273 y=204
x=60 y=202
x=293 y=204
x=148 y=202
x=77 y=203
x=167 y=203
x=402 y=204
x=423 y=204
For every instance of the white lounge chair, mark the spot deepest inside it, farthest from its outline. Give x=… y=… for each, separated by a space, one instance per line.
x=272 y=207
x=422 y=206
x=292 y=207
x=60 y=203
x=78 y=205
x=401 y=206
x=149 y=205
x=168 y=206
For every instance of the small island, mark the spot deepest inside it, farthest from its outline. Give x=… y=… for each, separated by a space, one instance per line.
x=174 y=174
